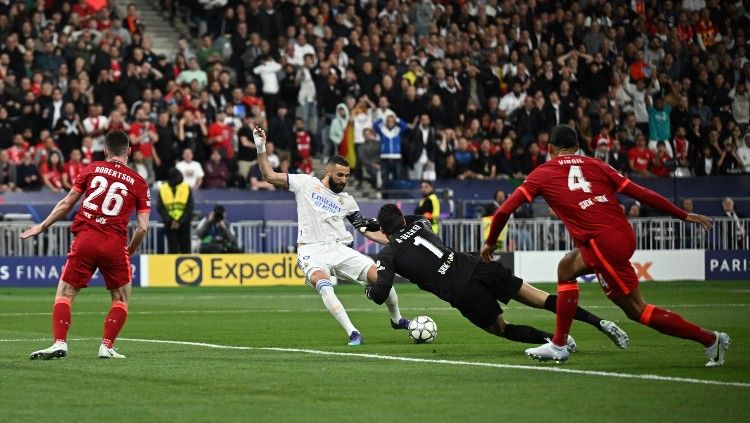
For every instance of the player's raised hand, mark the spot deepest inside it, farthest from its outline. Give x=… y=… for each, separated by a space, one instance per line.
x=259 y=136
x=32 y=231
x=486 y=253
x=705 y=221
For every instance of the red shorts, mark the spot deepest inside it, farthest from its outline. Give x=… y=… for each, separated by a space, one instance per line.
x=91 y=251
x=609 y=256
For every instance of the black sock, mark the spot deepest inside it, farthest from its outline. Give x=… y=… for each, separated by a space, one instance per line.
x=581 y=314
x=526 y=334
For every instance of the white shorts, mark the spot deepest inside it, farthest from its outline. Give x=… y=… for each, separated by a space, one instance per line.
x=335 y=260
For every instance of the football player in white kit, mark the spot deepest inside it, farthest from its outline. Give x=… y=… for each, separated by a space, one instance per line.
x=322 y=238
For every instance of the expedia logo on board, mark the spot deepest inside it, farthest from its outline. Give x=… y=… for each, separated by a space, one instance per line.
x=188 y=270
x=224 y=270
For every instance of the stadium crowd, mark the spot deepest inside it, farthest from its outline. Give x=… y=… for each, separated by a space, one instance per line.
x=405 y=89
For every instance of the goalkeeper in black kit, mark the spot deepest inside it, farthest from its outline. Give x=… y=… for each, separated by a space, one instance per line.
x=468 y=284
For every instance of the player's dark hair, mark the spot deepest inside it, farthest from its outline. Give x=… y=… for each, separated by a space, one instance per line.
x=338 y=160
x=390 y=218
x=117 y=142
x=564 y=136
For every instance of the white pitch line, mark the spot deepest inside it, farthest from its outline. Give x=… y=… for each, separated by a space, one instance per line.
x=321 y=309
x=423 y=360
x=450 y=362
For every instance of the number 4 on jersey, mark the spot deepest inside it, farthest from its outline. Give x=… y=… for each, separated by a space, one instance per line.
x=576 y=180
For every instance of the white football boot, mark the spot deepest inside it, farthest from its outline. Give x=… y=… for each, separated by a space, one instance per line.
x=718 y=350
x=617 y=335
x=571 y=344
x=549 y=351
x=105 y=352
x=58 y=350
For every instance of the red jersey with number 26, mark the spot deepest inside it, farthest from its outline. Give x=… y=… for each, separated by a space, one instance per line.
x=111 y=191
x=581 y=190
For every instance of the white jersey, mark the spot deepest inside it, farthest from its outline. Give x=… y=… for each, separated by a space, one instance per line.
x=320 y=211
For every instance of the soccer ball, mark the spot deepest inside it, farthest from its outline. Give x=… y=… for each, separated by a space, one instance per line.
x=422 y=330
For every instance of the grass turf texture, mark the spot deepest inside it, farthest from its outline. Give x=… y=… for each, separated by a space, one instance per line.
x=169 y=382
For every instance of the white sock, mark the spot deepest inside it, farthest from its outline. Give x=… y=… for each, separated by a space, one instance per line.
x=392 y=303
x=334 y=306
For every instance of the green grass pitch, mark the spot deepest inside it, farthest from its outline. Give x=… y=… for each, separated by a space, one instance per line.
x=210 y=381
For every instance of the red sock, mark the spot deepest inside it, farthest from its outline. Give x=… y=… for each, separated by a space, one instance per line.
x=61 y=319
x=114 y=322
x=567 y=303
x=673 y=324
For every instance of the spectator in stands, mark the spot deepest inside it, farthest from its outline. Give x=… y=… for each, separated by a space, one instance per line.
x=391 y=131
x=166 y=149
x=72 y=169
x=531 y=159
x=507 y=164
x=484 y=163
x=639 y=92
x=337 y=130
x=176 y=209
x=617 y=159
x=422 y=150
x=193 y=73
x=247 y=156
x=640 y=158
x=191 y=134
x=215 y=235
x=138 y=163
x=143 y=137
x=729 y=162
x=216 y=171
x=7 y=173
x=601 y=151
x=96 y=126
x=268 y=72
x=743 y=152
x=27 y=175
x=68 y=130
x=658 y=123
x=737 y=230
x=663 y=162
x=303 y=155
x=705 y=163
x=192 y=171
x=51 y=170
x=512 y=101
x=740 y=105
x=369 y=157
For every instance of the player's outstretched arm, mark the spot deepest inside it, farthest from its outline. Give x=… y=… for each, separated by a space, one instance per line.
x=62 y=208
x=386 y=273
x=269 y=175
x=655 y=200
x=139 y=234
x=499 y=220
x=368 y=227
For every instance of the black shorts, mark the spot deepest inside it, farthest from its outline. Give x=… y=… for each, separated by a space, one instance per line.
x=489 y=283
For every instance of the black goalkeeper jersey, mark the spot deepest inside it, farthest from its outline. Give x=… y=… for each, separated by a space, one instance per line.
x=418 y=255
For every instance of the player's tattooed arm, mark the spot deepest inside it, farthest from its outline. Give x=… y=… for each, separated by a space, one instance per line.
x=277 y=179
x=62 y=209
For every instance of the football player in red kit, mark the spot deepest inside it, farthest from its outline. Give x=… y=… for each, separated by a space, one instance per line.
x=582 y=192
x=111 y=191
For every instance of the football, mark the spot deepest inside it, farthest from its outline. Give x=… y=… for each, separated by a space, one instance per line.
x=422 y=330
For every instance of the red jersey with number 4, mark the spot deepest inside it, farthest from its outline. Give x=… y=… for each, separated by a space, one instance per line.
x=111 y=192
x=581 y=190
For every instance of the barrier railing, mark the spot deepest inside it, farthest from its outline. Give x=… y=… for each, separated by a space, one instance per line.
x=459 y=234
